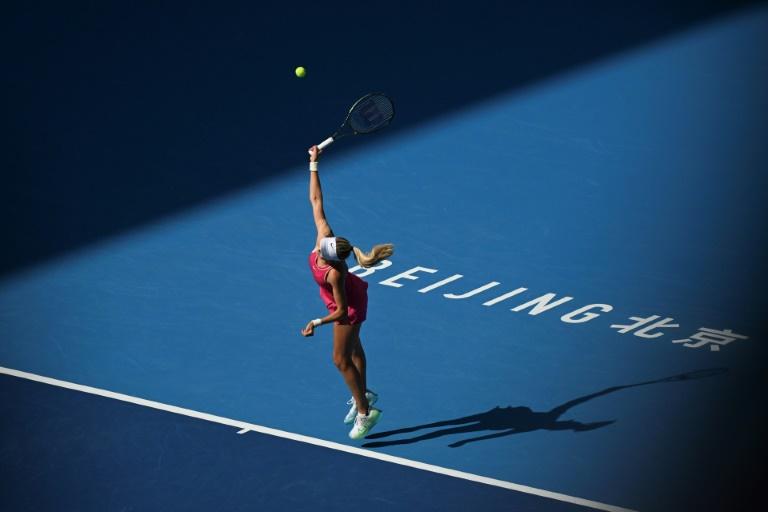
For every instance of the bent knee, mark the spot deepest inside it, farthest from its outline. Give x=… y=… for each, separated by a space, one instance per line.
x=342 y=361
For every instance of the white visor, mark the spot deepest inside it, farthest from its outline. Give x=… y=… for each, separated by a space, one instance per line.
x=328 y=249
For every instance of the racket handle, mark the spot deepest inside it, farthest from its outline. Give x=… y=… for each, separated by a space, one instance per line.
x=326 y=142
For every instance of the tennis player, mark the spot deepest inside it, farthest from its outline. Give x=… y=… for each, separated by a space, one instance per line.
x=346 y=297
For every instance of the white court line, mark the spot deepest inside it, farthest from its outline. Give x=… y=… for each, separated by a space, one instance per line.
x=244 y=427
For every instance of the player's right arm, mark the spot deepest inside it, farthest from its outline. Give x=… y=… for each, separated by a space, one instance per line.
x=316 y=200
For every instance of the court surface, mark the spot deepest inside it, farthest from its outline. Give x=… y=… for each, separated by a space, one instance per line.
x=573 y=318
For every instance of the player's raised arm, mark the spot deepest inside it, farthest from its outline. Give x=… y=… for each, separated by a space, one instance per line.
x=316 y=197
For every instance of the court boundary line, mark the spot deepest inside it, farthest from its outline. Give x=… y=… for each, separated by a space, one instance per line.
x=245 y=426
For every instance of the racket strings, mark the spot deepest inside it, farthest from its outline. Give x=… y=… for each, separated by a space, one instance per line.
x=371 y=114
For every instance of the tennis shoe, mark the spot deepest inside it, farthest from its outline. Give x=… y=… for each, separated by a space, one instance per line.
x=350 y=417
x=364 y=424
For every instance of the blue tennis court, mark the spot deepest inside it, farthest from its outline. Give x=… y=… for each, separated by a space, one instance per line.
x=573 y=318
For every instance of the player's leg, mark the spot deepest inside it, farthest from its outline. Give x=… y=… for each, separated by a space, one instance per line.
x=358 y=357
x=359 y=360
x=345 y=337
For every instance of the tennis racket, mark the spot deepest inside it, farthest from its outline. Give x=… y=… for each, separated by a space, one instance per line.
x=370 y=113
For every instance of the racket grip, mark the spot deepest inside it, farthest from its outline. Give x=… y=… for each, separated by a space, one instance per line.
x=326 y=142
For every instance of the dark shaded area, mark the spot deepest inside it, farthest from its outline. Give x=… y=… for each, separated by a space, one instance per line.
x=115 y=114
x=506 y=421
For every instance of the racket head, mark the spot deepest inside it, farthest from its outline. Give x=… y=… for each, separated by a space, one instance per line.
x=370 y=113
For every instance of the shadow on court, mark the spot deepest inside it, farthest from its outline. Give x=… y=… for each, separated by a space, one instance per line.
x=115 y=114
x=506 y=421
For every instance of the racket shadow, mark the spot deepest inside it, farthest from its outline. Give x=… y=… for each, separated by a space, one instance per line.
x=506 y=421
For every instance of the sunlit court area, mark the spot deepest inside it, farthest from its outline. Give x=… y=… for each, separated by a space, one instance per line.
x=200 y=310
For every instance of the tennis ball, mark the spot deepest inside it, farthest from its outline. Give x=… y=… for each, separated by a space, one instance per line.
x=301 y=72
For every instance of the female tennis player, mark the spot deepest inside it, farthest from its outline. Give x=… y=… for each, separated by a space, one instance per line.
x=346 y=297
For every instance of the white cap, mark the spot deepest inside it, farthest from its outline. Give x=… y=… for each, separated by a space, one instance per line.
x=328 y=249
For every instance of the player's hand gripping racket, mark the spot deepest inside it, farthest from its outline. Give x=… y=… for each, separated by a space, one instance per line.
x=367 y=115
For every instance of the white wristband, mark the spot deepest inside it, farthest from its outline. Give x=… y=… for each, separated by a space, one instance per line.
x=317 y=321
x=313 y=166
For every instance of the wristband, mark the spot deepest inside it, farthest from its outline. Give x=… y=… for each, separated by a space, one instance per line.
x=317 y=321
x=313 y=166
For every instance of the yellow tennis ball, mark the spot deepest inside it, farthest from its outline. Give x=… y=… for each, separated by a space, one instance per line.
x=301 y=72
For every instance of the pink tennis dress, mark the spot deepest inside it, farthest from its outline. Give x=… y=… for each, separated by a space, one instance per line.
x=356 y=288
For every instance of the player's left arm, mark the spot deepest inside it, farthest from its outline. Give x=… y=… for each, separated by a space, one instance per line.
x=337 y=280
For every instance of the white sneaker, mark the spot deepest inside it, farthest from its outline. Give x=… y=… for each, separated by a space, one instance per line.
x=364 y=424
x=350 y=417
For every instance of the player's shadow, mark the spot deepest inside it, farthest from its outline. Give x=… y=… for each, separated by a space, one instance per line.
x=505 y=421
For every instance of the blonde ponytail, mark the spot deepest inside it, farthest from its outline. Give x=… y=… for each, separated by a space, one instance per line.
x=364 y=259
x=378 y=253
